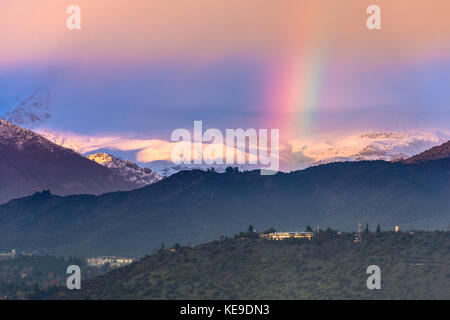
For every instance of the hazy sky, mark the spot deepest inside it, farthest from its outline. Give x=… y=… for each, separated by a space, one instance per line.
x=145 y=68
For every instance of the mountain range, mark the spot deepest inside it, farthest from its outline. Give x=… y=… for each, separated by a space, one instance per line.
x=31 y=163
x=197 y=206
x=295 y=154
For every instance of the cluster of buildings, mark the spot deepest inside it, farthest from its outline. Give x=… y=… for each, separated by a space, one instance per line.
x=112 y=261
x=309 y=235
x=7 y=255
x=287 y=235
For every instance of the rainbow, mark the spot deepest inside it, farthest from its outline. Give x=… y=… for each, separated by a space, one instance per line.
x=294 y=91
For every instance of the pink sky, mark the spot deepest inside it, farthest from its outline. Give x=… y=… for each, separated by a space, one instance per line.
x=197 y=29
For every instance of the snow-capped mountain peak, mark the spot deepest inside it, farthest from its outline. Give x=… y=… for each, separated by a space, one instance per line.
x=126 y=169
x=11 y=134
x=295 y=154
x=385 y=146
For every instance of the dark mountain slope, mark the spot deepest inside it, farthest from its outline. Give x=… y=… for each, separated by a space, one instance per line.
x=332 y=267
x=197 y=206
x=435 y=153
x=30 y=163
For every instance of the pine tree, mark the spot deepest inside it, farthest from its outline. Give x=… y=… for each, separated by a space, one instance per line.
x=378 y=228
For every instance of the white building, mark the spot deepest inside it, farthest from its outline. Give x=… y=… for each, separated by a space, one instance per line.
x=113 y=261
x=11 y=254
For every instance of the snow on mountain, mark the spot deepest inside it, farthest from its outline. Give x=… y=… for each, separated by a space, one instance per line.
x=11 y=134
x=386 y=146
x=301 y=154
x=294 y=154
x=126 y=169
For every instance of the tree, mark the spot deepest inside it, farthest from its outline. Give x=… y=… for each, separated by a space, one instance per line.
x=229 y=170
x=308 y=229
x=251 y=229
x=367 y=228
x=378 y=228
x=271 y=230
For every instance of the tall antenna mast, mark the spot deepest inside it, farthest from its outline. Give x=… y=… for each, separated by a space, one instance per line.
x=359 y=230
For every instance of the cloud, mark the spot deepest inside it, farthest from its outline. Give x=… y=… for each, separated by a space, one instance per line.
x=32 y=111
x=294 y=154
x=363 y=146
x=147 y=150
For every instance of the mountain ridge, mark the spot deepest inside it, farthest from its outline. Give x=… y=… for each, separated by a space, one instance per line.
x=126 y=169
x=197 y=206
x=30 y=163
x=329 y=266
x=295 y=154
x=436 y=153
